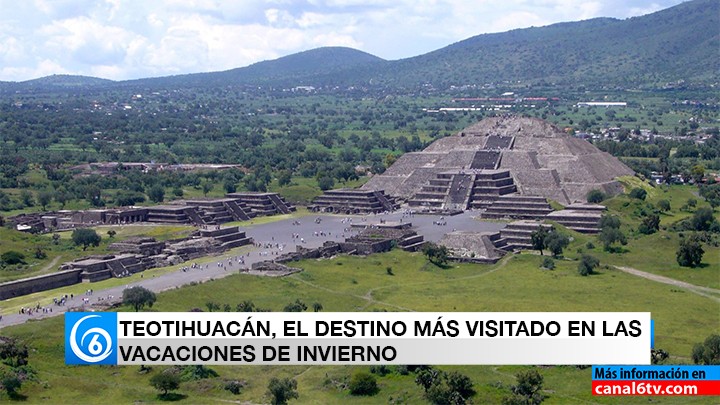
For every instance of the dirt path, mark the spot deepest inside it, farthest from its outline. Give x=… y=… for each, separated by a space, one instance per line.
x=50 y=265
x=706 y=292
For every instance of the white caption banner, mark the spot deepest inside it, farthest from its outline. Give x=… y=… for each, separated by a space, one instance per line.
x=461 y=338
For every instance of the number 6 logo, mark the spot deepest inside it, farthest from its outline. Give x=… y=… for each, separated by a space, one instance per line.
x=94 y=347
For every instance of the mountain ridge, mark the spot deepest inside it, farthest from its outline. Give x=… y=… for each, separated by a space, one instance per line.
x=673 y=44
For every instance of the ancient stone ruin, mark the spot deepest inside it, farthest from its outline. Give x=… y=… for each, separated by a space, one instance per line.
x=209 y=211
x=133 y=255
x=497 y=157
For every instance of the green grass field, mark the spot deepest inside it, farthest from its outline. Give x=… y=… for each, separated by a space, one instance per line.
x=349 y=283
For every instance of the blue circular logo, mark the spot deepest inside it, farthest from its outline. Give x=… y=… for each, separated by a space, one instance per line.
x=95 y=344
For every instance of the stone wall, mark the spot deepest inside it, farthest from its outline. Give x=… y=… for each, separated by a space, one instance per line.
x=40 y=283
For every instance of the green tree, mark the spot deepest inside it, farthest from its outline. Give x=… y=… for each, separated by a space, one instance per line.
x=707 y=352
x=282 y=390
x=317 y=307
x=165 y=382
x=13 y=353
x=690 y=251
x=611 y=236
x=664 y=205
x=10 y=383
x=15 y=356
x=638 y=193
x=711 y=193
x=326 y=183
x=284 y=178
x=556 y=242
x=437 y=254
x=27 y=198
x=207 y=186
x=297 y=306
x=363 y=384
x=702 y=219
x=111 y=233
x=138 y=297
x=44 y=197
x=156 y=193
x=85 y=237
x=527 y=389
x=697 y=172
x=538 y=238
x=587 y=265
x=245 y=306
x=649 y=224
x=230 y=185
x=609 y=221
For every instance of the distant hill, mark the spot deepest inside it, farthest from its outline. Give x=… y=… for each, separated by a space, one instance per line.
x=679 y=43
x=676 y=44
x=66 y=81
x=292 y=69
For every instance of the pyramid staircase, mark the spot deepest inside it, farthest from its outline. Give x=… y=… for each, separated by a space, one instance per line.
x=517 y=207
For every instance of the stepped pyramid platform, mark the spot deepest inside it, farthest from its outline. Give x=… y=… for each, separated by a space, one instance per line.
x=583 y=218
x=97 y=268
x=456 y=191
x=515 y=206
x=476 y=247
x=262 y=203
x=517 y=235
x=353 y=201
x=541 y=160
x=229 y=237
x=172 y=214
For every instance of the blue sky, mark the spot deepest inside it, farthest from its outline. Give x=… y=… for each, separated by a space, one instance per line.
x=128 y=39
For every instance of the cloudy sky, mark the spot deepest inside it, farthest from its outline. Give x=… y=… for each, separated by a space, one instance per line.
x=127 y=39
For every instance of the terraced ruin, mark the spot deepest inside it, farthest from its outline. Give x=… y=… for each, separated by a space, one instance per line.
x=496 y=157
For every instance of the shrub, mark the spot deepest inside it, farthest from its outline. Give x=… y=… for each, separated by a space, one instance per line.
x=363 y=384
x=690 y=252
x=234 y=386
x=638 y=193
x=548 y=263
x=556 y=242
x=587 y=265
x=85 y=237
x=595 y=196
x=650 y=224
x=702 y=219
x=13 y=257
x=282 y=390
x=708 y=352
x=165 y=382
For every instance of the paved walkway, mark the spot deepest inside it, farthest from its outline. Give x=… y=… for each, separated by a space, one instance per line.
x=334 y=227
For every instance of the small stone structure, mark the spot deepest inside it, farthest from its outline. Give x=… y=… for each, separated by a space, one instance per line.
x=263 y=203
x=583 y=218
x=475 y=247
x=518 y=235
x=517 y=207
x=353 y=201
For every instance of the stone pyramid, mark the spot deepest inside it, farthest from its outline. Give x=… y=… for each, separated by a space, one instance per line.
x=541 y=159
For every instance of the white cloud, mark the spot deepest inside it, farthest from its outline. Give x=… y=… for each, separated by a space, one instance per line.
x=122 y=39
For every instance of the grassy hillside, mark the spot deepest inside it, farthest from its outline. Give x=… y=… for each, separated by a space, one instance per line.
x=362 y=284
